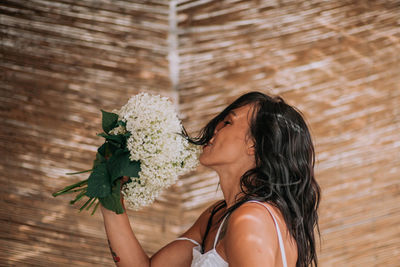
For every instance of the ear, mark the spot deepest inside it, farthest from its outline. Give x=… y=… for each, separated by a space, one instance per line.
x=251 y=150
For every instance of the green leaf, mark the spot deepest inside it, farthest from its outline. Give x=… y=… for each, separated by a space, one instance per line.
x=99 y=182
x=113 y=201
x=102 y=149
x=98 y=160
x=109 y=121
x=102 y=135
x=121 y=123
x=106 y=150
x=116 y=139
x=100 y=155
x=120 y=165
x=110 y=149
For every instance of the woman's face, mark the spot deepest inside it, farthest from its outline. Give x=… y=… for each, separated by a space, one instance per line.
x=231 y=143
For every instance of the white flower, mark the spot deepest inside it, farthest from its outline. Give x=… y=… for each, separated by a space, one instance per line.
x=118 y=130
x=156 y=142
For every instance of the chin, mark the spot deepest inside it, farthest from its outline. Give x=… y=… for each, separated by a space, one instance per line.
x=204 y=161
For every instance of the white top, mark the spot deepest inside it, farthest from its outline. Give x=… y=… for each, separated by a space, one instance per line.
x=212 y=259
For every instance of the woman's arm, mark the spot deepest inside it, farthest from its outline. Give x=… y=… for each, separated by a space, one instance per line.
x=125 y=248
x=127 y=251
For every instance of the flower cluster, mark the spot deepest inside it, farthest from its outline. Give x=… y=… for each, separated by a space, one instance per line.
x=156 y=141
x=144 y=141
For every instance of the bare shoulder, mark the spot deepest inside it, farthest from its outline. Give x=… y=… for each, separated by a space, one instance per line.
x=251 y=218
x=260 y=210
x=251 y=236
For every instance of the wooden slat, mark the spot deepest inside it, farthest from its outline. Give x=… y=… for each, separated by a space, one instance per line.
x=62 y=61
x=338 y=62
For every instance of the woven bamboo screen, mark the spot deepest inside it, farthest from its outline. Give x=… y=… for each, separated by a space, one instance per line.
x=61 y=61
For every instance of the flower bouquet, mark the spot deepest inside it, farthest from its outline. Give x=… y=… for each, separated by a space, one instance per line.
x=144 y=141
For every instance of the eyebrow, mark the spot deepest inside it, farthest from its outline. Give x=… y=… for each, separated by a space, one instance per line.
x=233 y=113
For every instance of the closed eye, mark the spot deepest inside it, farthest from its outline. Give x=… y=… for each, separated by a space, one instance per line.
x=227 y=122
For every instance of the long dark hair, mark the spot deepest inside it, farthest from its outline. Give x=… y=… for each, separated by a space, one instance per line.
x=284 y=172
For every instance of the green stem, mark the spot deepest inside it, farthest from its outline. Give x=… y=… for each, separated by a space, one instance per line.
x=72 y=173
x=95 y=207
x=70 y=187
x=91 y=203
x=86 y=203
x=76 y=190
x=78 y=197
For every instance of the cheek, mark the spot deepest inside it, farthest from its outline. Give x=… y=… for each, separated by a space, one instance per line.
x=233 y=152
x=227 y=148
x=222 y=152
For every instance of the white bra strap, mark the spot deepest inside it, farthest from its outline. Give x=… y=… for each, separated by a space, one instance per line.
x=281 y=245
x=219 y=230
x=188 y=239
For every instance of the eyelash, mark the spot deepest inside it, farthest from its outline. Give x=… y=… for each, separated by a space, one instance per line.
x=227 y=122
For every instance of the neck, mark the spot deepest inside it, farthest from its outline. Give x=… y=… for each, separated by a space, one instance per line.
x=230 y=185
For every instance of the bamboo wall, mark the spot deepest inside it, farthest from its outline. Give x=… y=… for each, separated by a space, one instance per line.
x=339 y=63
x=61 y=61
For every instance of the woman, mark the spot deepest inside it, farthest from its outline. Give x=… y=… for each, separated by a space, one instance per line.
x=262 y=151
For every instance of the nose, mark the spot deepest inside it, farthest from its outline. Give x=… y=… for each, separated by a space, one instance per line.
x=218 y=127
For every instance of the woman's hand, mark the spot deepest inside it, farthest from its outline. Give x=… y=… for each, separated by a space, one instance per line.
x=124 y=179
x=127 y=251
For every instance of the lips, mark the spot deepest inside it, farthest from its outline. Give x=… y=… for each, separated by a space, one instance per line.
x=208 y=144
